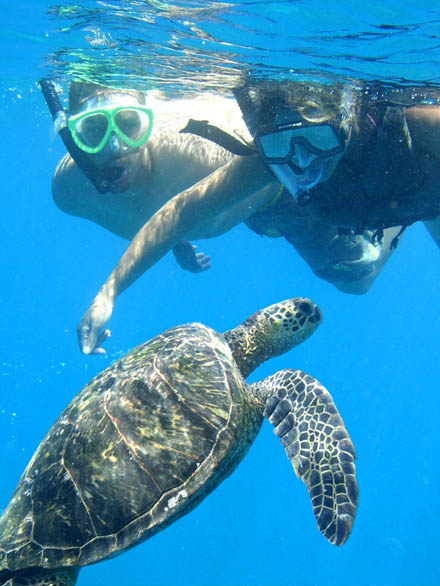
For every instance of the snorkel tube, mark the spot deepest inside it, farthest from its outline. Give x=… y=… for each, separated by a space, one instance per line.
x=59 y=115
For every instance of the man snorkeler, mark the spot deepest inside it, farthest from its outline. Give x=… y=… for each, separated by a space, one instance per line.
x=143 y=168
x=130 y=158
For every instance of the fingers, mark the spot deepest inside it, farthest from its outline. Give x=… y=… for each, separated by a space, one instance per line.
x=91 y=330
x=189 y=259
x=90 y=339
x=203 y=261
x=85 y=339
x=103 y=336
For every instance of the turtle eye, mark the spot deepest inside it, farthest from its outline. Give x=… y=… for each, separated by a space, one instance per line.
x=305 y=307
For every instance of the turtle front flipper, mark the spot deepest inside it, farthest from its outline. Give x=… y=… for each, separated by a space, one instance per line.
x=40 y=577
x=310 y=428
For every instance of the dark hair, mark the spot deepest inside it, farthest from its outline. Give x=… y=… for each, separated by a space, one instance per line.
x=266 y=103
x=80 y=92
x=316 y=102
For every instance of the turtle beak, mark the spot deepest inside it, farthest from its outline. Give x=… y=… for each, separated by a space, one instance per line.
x=316 y=317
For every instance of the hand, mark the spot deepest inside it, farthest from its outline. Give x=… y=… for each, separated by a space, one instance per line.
x=202 y=262
x=91 y=329
x=189 y=259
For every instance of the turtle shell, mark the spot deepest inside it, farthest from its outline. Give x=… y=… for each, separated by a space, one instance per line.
x=141 y=445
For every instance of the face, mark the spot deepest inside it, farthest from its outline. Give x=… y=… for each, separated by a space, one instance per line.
x=300 y=152
x=306 y=171
x=305 y=136
x=310 y=169
x=118 y=158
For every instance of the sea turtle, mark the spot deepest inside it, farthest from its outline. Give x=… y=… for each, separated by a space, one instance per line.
x=152 y=435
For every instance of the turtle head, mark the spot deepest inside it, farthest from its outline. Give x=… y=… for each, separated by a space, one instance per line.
x=272 y=331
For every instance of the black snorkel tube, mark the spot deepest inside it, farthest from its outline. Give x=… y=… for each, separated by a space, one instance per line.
x=59 y=115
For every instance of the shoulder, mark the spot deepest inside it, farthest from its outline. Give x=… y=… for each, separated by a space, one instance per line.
x=426 y=114
x=424 y=125
x=69 y=187
x=62 y=179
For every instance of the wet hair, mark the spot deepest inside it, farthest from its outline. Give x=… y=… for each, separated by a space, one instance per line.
x=80 y=92
x=316 y=102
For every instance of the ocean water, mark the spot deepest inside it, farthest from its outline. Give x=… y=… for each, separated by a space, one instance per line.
x=376 y=353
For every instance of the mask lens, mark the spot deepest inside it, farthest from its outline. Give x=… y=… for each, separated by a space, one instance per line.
x=320 y=139
x=276 y=145
x=91 y=129
x=133 y=124
x=129 y=123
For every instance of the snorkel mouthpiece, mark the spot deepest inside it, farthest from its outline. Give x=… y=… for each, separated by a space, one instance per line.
x=101 y=181
x=114 y=173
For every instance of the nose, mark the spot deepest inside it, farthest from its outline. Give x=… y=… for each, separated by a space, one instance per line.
x=114 y=145
x=302 y=157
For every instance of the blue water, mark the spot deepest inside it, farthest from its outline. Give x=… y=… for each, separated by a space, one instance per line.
x=376 y=353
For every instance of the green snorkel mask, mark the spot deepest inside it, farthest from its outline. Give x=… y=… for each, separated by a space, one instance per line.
x=82 y=138
x=92 y=129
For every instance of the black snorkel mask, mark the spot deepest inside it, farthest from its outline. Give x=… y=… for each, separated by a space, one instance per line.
x=298 y=151
x=101 y=179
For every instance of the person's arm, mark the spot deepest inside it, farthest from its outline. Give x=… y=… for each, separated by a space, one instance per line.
x=424 y=124
x=188 y=213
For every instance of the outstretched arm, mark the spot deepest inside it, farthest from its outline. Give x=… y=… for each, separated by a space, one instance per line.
x=188 y=214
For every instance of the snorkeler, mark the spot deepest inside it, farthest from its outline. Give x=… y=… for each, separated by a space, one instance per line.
x=127 y=159
x=357 y=158
x=373 y=149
